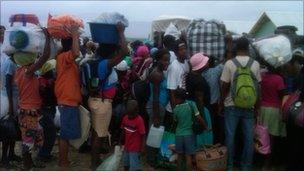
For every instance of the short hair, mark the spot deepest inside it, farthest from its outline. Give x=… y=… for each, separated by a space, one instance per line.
x=181 y=93
x=169 y=42
x=160 y=53
x=67 y=44
x=2 y=27
x=242 y=44
x=131 y=104
x=178 y=44
x=136 y=44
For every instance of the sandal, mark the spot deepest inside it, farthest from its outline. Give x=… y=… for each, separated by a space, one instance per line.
x=38 y=164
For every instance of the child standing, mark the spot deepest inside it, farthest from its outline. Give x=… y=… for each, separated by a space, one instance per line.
x=273 y=90
x=68 y=94
x=133 y=134
x=48 y=109
x=185 y=139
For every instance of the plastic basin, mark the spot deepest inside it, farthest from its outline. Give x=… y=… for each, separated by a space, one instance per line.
x=104 y=33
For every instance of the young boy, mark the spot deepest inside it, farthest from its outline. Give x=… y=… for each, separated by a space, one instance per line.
x=133 y=134
x=185 y=139
x=48 y=109
x=68 y=94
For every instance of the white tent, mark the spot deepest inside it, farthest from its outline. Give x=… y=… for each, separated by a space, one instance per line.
x=162 y=22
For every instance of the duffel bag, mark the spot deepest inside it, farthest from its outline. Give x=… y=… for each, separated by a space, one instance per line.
x=211 y=158
x=207 y=37
x=275 y=50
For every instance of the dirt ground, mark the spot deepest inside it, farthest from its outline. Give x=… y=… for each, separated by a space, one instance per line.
x=82 y=161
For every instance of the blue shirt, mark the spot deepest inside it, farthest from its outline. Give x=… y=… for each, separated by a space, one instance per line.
x=212 y=76
x=163 y=93
x=103 y=72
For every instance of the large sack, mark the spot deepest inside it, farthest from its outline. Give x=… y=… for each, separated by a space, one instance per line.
x=173 y=31
x=59 y=26
x=112 y=162
x=111 y=18
x=4 y=103
x=207 y=37
x=276 y=50
x=85 y=127
x=29 y=38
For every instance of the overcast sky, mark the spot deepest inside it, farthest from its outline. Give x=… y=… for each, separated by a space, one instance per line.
x=141 y=13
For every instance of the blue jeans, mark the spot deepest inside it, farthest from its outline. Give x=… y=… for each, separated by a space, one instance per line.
x=234 y=115
x=49 y=131
x=132 y=160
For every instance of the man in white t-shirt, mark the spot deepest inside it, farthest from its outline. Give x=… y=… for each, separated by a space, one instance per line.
x=233 y=114
x=177 y=71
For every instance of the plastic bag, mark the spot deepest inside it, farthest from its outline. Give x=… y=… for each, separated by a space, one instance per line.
x=167 y=141
x=112 y=162
x=262 y=140
x=57 y=118
x=4 y=103
x=59 y=26
x=28 y=38
x=112 y=18
x=85 y=127
x=276 y=51
x=173 y=31
x=24 y=58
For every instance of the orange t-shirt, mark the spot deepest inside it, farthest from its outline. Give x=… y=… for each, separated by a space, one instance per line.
x=28 y=87
x=67 y=85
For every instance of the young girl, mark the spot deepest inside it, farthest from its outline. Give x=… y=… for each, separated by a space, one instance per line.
x=30 y=103
x=184 y=112
x=159 y=97
x=272 y=87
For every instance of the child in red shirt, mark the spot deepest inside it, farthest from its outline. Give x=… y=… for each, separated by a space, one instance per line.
x=133 y=134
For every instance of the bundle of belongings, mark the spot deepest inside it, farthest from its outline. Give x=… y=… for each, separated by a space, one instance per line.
x=25 y=40
x=173 y=31
x=112 y=18
x=59 y=26
x=103 y=28
x=207 y=37
x=275 y=50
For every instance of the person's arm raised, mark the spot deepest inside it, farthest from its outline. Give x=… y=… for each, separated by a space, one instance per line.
x=124 y=48
x=46 y=54
x=75 y=36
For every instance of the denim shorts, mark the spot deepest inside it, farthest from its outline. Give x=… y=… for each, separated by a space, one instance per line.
x=185 y=144
x=132 y=160
x=69 y=122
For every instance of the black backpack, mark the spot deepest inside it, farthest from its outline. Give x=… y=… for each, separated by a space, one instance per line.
x=89 y=77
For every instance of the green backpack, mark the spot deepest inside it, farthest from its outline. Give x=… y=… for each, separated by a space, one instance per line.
x=244 y=89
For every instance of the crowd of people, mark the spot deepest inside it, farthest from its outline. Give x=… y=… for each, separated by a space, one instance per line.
x=136 y=85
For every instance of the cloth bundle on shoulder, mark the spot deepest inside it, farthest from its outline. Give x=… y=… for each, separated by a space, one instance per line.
x=275 y=50
x=59 y=26
x=206 y=37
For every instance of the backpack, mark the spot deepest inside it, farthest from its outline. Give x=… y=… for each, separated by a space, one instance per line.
x=244 y=90
x=89 y=77
x=140 y=89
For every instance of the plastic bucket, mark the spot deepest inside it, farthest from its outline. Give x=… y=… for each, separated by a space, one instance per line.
x=104 y=33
